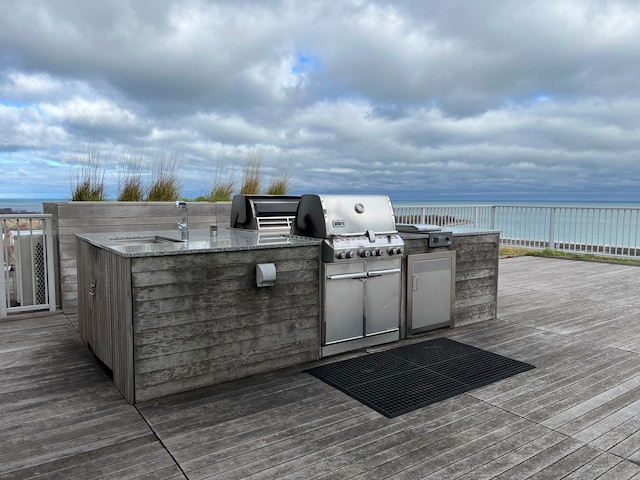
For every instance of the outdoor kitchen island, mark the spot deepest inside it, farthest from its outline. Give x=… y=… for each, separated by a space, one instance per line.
x=169 y=316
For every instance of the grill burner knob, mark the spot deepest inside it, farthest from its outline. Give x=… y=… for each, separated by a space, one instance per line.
x=396 y=251
x=379 y=252
x=350 y=254
x=365 y=253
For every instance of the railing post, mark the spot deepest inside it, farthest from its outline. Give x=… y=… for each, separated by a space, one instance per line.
x=51 y=276
x=493 y=218
x=552 y=226
x=3 y=286
x=424 y=215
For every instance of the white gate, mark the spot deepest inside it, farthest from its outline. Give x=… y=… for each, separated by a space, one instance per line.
x=28 y=276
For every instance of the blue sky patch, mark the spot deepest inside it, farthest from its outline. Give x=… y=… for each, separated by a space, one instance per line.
x=306 y=63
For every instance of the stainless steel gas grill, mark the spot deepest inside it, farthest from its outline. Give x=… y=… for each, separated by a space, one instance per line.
x=268 y=213
x=361 y=268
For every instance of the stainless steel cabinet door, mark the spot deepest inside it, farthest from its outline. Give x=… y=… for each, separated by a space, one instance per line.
x=343 y=301
x=382 y=296
x=431 y=289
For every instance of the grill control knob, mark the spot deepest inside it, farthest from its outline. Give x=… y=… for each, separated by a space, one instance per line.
x=350 y=254
x=396 y=251
x=341 y=255
x=365 y=253
x=379 y=252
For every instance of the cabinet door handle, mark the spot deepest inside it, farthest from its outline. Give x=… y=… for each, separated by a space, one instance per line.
x=92 y=294
x=345 y=276
x=415 y=283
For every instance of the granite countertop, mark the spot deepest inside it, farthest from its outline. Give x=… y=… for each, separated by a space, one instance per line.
x=152 y=244
x=457 y=232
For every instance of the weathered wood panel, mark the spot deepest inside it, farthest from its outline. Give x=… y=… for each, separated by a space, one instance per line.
x=70 y=218
x=84 y=288
x=200 y=319
x=61 y=416
x=121 y=309
x=96 y=324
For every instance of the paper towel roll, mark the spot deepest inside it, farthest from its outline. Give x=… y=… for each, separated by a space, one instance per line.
x=265 y=274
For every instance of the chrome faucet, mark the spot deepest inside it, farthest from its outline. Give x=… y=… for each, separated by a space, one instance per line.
x=183 y=226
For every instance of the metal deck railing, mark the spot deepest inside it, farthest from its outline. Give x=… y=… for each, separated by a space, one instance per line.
x=594 y=230
x=27 y=257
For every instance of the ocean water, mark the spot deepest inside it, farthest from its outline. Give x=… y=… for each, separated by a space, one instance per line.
x=30 y=205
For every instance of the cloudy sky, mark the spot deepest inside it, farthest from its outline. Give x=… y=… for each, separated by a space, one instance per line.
x=420 y=100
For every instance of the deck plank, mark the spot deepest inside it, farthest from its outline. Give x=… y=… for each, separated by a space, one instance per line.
x=576 y=415
x=61 y=415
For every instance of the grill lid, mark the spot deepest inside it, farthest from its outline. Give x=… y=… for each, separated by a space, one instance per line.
x=326 y=216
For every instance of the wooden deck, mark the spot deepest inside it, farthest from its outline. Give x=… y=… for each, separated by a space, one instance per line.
x=577 y=415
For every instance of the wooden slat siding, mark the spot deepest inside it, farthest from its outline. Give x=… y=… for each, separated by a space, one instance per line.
x=96 y=327
x=90 y=217
x=103 y=335
x=476 y=275
x=60 y=415
x=200 y=319
x=84 y=282
x=207 y=337
x=121 y=308
x=150 y=326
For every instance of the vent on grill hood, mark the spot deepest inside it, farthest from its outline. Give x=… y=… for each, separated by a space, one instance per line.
x=325 y=216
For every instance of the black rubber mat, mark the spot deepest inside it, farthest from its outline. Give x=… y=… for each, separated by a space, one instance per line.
x=402 y=379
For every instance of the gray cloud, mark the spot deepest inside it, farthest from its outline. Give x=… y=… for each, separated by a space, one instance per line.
x=419 y=100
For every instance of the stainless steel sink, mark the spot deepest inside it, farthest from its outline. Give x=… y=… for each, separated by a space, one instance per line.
x=146 y=240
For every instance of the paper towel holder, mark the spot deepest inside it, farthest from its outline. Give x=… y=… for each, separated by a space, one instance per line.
x=265 y=274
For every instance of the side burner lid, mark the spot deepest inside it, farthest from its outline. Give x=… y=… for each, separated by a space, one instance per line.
x=418 y=227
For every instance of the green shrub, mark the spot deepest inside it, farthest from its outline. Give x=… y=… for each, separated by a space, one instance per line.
x=279 y=180
x=222 y=192
x=87 y=182
x=130 y=185
x=222 y=189
x=251 y=173
x=88 y=191
x=278 y=187
x=165 y=183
